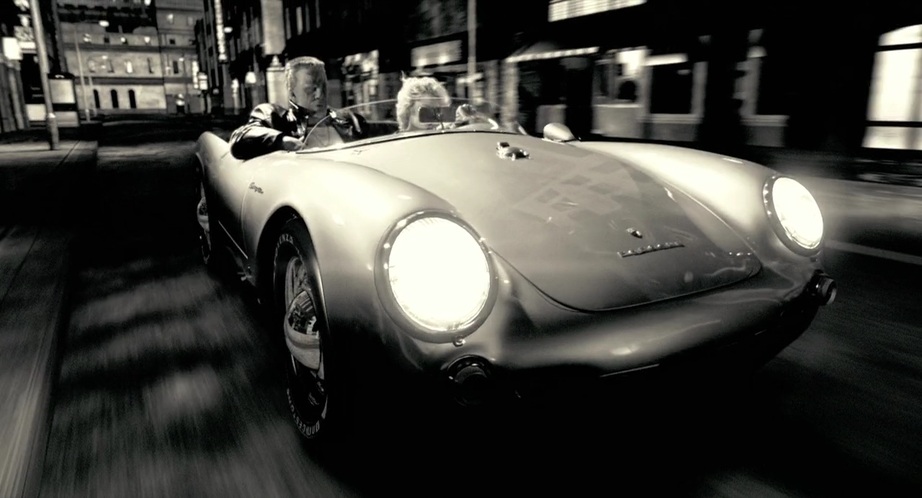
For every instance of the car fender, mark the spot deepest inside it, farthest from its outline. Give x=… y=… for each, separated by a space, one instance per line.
x=347 y=209
x=210 y=150
x=730 y=188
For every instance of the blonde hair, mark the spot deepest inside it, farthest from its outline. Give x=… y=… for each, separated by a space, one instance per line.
x=416 y=88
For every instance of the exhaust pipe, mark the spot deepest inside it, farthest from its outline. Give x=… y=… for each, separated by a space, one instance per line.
x=471 y=381
x=823 y=288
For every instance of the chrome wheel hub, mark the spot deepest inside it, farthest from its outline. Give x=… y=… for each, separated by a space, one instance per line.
x=302 y=336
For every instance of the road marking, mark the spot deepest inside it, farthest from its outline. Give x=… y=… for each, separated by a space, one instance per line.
x=873 y=251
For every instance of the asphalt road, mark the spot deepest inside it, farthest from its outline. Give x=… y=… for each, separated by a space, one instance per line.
x=170 y=384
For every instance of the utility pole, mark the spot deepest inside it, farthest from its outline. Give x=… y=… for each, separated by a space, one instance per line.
x=51 y=121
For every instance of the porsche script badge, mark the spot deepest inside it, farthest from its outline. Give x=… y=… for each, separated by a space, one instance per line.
x=650 y=248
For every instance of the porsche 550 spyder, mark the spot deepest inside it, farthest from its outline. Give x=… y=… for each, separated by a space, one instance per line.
x=475 y=263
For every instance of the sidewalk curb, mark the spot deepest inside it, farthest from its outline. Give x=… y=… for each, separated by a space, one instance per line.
x=33 y=317
x=44 y=321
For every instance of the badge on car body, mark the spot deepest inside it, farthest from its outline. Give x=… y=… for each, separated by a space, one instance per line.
x=511 y=152
x=650 y=248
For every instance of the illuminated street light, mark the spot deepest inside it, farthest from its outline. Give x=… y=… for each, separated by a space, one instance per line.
x=104 y=23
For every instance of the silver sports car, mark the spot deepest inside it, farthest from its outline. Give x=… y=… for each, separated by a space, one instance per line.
x=466 y=262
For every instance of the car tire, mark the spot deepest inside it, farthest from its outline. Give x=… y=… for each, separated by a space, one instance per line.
x=203 y=230
x=313 y=396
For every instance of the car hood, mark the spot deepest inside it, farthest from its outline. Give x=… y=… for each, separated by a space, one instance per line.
x=588 y=230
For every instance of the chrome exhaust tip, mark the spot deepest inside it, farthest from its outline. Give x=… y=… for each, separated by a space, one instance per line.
x=823 y=288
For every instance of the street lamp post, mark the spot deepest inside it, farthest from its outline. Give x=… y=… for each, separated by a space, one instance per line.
x=471 y=46
x=86 y=101
x=51 y=121
x=185 y=81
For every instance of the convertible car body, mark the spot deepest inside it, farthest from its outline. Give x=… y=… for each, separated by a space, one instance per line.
x=475 y=261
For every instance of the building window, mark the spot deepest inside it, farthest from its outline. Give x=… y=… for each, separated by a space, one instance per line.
x=109 y=65
x=147 y=40
x=87 y=38
x=114 y=95
x=299 y=20
x=96 y=98
x=131 y=100
x=128 y=67
x=190 y=21
x=169 y=18
x=105 y=39
x=616 y=76
x=671 y=87
x=172 y=41
x=317 y=12
x=307 y=18
x=895 y=102
x=123 y=40
x=175 y=67
x=91 y=65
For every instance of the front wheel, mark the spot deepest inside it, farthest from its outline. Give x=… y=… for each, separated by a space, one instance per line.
x=306 y=337
x=206 y=248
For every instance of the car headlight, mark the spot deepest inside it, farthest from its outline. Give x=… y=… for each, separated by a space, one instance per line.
x=794 y=213
x=438 y=274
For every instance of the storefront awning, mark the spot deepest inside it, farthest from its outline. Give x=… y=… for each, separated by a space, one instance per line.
x=549 y=49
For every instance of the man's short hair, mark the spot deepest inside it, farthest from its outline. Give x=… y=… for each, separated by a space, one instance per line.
x=315 y=65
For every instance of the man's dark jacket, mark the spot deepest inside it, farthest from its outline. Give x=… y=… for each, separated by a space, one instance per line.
x=269 y=123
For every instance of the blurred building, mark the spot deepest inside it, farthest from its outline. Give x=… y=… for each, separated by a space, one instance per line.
x=714 y=72
x=17 y=37
x=176 y=30
x=214 y=77
x=130 y=56
x=832 y=77
x=250 y=34
x=20 y=61
x=367 y=45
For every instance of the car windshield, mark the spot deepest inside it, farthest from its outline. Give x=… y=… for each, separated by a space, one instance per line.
x=381 y=121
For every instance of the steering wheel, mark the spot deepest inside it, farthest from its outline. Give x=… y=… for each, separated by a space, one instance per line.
x=356 y=124
x=307 y=137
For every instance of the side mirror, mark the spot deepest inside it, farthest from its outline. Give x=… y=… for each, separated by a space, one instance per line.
x=558 y=132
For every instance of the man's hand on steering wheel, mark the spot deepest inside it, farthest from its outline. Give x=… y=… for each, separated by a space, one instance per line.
x=291 y=143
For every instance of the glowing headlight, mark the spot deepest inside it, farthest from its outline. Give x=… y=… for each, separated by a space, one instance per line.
x=438 y=274
x=793 y=208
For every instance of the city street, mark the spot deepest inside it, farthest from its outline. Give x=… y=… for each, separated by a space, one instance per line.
x=170 y=383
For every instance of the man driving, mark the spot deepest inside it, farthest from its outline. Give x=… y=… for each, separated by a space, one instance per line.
x=273 y=127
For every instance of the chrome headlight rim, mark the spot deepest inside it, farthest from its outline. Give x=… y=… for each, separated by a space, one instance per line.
x=777 y=224
x=389 y=299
